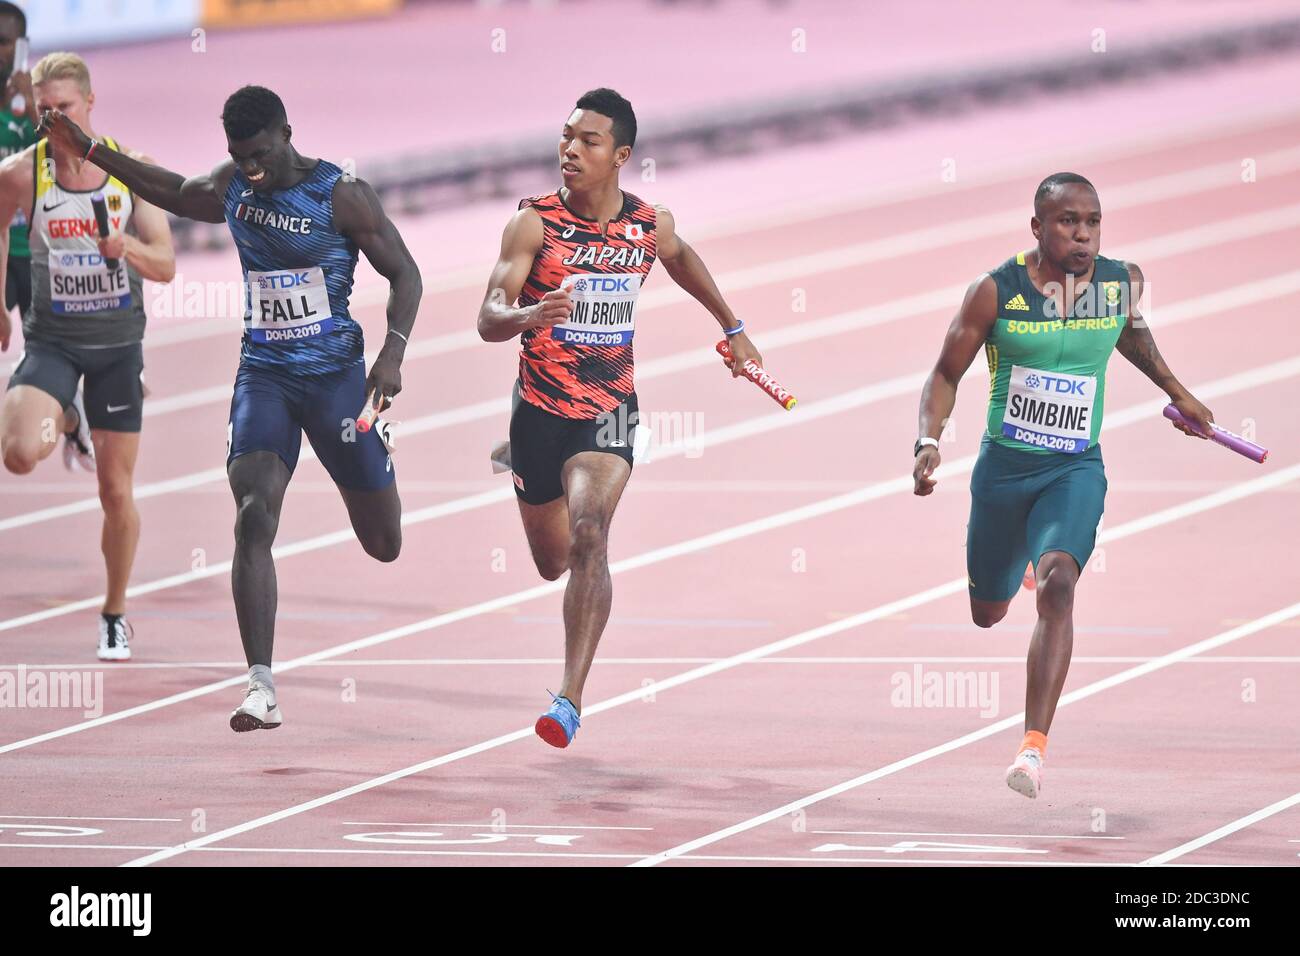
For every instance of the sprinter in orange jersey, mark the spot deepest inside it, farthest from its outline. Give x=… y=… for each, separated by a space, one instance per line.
x=571 y=268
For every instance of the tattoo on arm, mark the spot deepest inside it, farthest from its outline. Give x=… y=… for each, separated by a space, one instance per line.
x=1138 y=346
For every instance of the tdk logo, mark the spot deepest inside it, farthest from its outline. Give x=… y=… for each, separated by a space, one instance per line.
x=1050 y=383
x=69 y=259
x=283 y=280
x=602 y=284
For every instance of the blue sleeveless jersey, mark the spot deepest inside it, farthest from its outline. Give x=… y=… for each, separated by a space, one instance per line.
x=297 y=276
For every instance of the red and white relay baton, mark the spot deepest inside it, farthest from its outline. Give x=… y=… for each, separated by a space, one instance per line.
x=766 y=382
x=1224 y=437
x=368 y=415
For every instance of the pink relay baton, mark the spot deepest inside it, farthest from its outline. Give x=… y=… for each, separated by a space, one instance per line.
x=1221 y=435
x=763 y=380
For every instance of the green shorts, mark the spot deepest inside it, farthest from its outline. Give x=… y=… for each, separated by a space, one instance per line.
x=1024 y=504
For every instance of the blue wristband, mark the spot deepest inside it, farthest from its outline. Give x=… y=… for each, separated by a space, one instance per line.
x=736 y=331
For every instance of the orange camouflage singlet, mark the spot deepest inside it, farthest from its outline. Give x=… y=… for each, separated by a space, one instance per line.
x=583 y=368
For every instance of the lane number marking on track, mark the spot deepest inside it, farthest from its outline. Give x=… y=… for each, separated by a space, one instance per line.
x=922 y=846
x=36 y=831
x=438 y=838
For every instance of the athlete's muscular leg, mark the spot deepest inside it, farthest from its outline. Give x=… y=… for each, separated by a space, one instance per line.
x=1053 y=640
x=31 y=424
x=115 y=455
x=377 y=520
x=258 y=480
x=547 y=529
x=593 y=484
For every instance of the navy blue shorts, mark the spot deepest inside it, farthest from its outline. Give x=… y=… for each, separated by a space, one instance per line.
x=271 y=410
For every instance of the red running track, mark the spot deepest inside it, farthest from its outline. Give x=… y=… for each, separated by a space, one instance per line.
x=777 y=589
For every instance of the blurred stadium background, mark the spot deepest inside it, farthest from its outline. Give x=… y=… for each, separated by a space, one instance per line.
x=442 y=103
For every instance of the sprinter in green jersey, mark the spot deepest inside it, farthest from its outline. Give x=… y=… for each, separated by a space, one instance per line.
x=17 y=132
x=1048 y=320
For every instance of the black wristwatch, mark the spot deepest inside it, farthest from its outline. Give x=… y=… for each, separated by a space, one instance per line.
x=923 y=443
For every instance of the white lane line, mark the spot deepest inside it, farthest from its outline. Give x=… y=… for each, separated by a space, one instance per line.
x=808 y=412
x=1142 y=192
x=1222 y=301
x=584 y=856
x=16 y=816
x=368 y=851
x=956 y=586
x=1015 y=720
x=1227 y=829
x=471 y=277
x=634 y=856
x=500 y=407
x=1024 y=167
x=895 y=860
x=195 y=399
x=1213 y=303
x=927 y=239
x=1284 y=284
x=1013 y=836
x=343 y=851
x=677 y=487
x=1119 y=419
x=77 y=846
x=489 y=826
x=625 y=661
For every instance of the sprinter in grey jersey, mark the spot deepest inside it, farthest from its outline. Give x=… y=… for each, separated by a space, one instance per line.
x=79 y=374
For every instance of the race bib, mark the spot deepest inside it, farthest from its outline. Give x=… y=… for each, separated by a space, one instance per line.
x=288 y=305
x=604 y=309
x=1050 y=409
x=80 y=283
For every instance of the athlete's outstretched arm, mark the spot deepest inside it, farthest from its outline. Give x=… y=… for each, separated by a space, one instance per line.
x=1137 y=345
x=969 y=329
x=198 y=197
x=689 y=271
x=499 y=320
x=149 y=251
x=360 y=216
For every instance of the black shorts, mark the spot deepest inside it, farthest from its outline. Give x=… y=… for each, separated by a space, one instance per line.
x=114 y=394
x=18 y=284
x=540 y=444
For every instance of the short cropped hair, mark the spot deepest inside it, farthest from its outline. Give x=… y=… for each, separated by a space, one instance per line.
x=610 y=103
x=62 y=66
x=1052 y=182
x=251 y=109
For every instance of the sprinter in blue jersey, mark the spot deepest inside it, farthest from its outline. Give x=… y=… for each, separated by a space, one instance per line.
x=299 y=224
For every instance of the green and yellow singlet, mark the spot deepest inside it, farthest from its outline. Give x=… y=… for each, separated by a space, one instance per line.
x=1047 y=374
